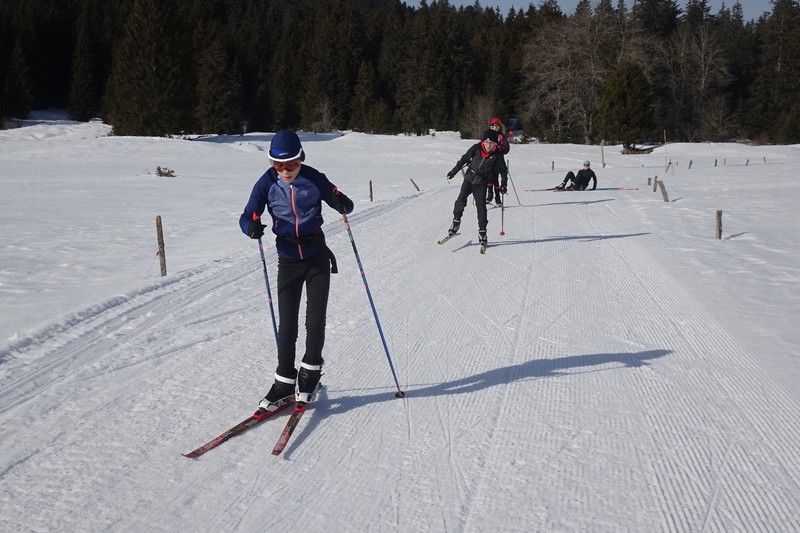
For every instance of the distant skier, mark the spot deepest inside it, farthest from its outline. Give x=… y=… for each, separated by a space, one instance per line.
x=292 y=193
x=482 y=160
x=580 y=181
x=493 y=186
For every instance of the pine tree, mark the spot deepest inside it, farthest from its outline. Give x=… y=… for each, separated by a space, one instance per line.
x=150 y=87
x=219 y=91
x=363 y=97
x=657 y=17
x=17 y=92
x=625 y=112
x=776 y=87
x=84 y=99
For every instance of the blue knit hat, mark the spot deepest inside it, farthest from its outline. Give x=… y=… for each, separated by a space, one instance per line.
x=285 y=146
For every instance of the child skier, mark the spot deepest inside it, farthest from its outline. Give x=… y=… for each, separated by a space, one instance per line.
x=292 y=193
x=493 y=186
x=482 y=159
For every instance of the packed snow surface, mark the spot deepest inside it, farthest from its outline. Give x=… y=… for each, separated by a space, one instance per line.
x=607 y=365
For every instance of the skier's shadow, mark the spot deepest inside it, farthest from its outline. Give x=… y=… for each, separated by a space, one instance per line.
x=577 y=202
x=586 y=238
x=536 y=368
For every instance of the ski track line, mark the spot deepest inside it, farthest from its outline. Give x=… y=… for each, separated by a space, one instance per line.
x=706 y=495
x=53 y=357
x=102 y=335
x=686 y=339
x=494 y=450
x=470 y=358
x=459 y=402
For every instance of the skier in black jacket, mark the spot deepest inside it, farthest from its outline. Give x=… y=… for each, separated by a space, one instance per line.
x=579 y=181
x=482 y=160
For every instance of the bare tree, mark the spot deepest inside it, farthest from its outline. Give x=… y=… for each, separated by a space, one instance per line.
x=325 y=117
x=717 y=123
x=709 y=60
x=477 y=112
x=566 y=67
x=695 y=64
x=549 y=74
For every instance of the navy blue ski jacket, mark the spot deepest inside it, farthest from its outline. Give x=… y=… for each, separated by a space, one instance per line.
x=296 y=211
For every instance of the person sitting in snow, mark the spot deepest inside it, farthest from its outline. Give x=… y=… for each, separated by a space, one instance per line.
x=579 y=181
x=493 y=185
x=482 y=160
x=292 y=192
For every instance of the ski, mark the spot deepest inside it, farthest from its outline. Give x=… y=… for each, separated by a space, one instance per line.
x=446 y=238
x=297 y=413
x=256 y=418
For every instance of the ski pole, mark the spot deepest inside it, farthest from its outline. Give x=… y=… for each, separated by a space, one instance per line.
x=515 y=189
x=399 y=393
x=502 y=215
x=266 y=281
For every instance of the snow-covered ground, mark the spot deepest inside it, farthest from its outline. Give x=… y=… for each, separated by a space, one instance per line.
x=607 y=365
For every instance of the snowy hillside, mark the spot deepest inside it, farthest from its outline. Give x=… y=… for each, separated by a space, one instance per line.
x=607 y=365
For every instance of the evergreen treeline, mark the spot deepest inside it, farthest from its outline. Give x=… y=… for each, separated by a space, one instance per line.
x=607 y=71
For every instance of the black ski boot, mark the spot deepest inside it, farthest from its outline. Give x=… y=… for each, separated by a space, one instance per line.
x=281 y=392
x=454 y=228
x=307 y=382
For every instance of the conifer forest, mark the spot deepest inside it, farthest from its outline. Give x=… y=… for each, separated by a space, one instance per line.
x=611 y=70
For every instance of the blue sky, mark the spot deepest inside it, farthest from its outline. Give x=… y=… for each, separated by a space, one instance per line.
x=752 y=8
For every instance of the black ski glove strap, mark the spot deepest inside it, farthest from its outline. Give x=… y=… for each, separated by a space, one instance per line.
x=256 y=229
x=316 y=239
x=342 y=203
x=327 y=251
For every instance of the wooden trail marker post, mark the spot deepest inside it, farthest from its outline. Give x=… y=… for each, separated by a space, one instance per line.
x=602 y=153
x=161 y=255
x=663 y=190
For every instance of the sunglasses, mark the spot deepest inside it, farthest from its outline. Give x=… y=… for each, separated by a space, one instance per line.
x=495 y=127
x=291 y=166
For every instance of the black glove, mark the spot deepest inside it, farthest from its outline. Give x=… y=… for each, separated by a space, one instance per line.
x=503 y=189
x=256 y=229
x=450 y=176
x=341 y=202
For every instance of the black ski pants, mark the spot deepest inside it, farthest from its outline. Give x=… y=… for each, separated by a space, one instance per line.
x=315 y=273
x=574 y=186
x=478 y=192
